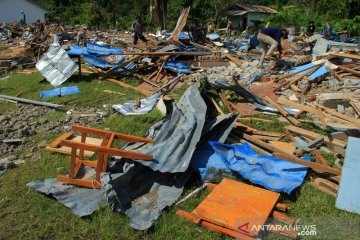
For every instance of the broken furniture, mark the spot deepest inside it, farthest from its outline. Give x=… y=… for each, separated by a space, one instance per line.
x=238 y=210
x=103 y=151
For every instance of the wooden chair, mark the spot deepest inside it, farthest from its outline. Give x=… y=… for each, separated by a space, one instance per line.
x=103 y=152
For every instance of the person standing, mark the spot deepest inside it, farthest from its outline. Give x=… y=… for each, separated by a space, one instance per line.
x=197 y=31
x=269 y=39
x=138 y=31
x=311 y=28
x=81 y=38
x=22 y=20
x=229 y=28
x=327 y=29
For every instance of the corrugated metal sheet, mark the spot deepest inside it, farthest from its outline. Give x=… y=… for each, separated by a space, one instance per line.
x=179 y=134
x=137 y=190
x=241 y=9
x=56 y=65
x=142 y=193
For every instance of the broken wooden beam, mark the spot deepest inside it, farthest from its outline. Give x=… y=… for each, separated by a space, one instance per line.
x=312 y=135
x=339 y=115
x=283 y=112
x=166 y=53
x=279 y=153
x=233 y=59
x=225 y=101
x=346 y=55
x=125 y=85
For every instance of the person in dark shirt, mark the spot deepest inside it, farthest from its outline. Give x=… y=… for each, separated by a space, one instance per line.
x=327 y=29
x=197 y=31
x=138 y=31
x=311 y=28
x=269 y=39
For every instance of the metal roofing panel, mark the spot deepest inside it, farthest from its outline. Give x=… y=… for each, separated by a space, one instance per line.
x=178 y=134
x=56 y=65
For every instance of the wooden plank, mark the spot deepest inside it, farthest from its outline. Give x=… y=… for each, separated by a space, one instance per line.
x=289 y=157
x=188 y=216
x=99 y=132
x=218 y=109
x=357 y=73
x=286 y=147
x=232 y=204
x=79 y=182
x=233 y=59
x=57 y=141
x=299 y=106
x=145 y=79
x=225 y=101
x=346 y=55
x=113 y=92
x=225 y=231
x=67 y=150
x=283 y=112
x=326 y=186
x=340 y=115
x=313 y=135
x=295 y=88
x=166 y=53
x=110 y=151
x=319 y=158
x=125 y=85
x=257 y=132
x=356 y=109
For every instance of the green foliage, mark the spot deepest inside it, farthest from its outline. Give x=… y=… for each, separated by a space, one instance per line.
x=344 y=14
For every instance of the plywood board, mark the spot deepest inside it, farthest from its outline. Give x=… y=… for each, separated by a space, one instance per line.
x=67 y=150
x=349 y=192
x=237 y=206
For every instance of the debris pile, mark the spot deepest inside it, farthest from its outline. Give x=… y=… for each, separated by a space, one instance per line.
x=217 y=128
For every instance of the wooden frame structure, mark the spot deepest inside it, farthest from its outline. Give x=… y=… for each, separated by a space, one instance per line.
x=103 y=152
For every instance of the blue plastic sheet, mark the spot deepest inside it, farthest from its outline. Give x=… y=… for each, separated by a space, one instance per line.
x=103 y=50
x=319 y=72
x=213 y=36
x=184 y=35
x=275 y=174
x=179 y=67
x=60 y=91
x=78 y=50
x=96 y=61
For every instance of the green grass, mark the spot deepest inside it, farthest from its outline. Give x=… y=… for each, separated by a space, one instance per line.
x=2 y=48
x=27 y=214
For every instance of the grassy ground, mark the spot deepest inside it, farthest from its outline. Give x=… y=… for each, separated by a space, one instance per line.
x=26 y=214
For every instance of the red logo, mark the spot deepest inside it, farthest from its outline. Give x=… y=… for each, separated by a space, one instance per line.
x=244 y=228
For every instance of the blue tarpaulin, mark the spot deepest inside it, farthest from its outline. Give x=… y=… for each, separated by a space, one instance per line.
x=59 y=91
x=319 y=72
x=179 y=67
x=96 y=61
x=78 y=50
x=272 y=173
x=103 y=50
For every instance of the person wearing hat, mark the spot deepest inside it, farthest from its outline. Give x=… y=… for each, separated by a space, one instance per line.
x=22 y=20
x=270 y=39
